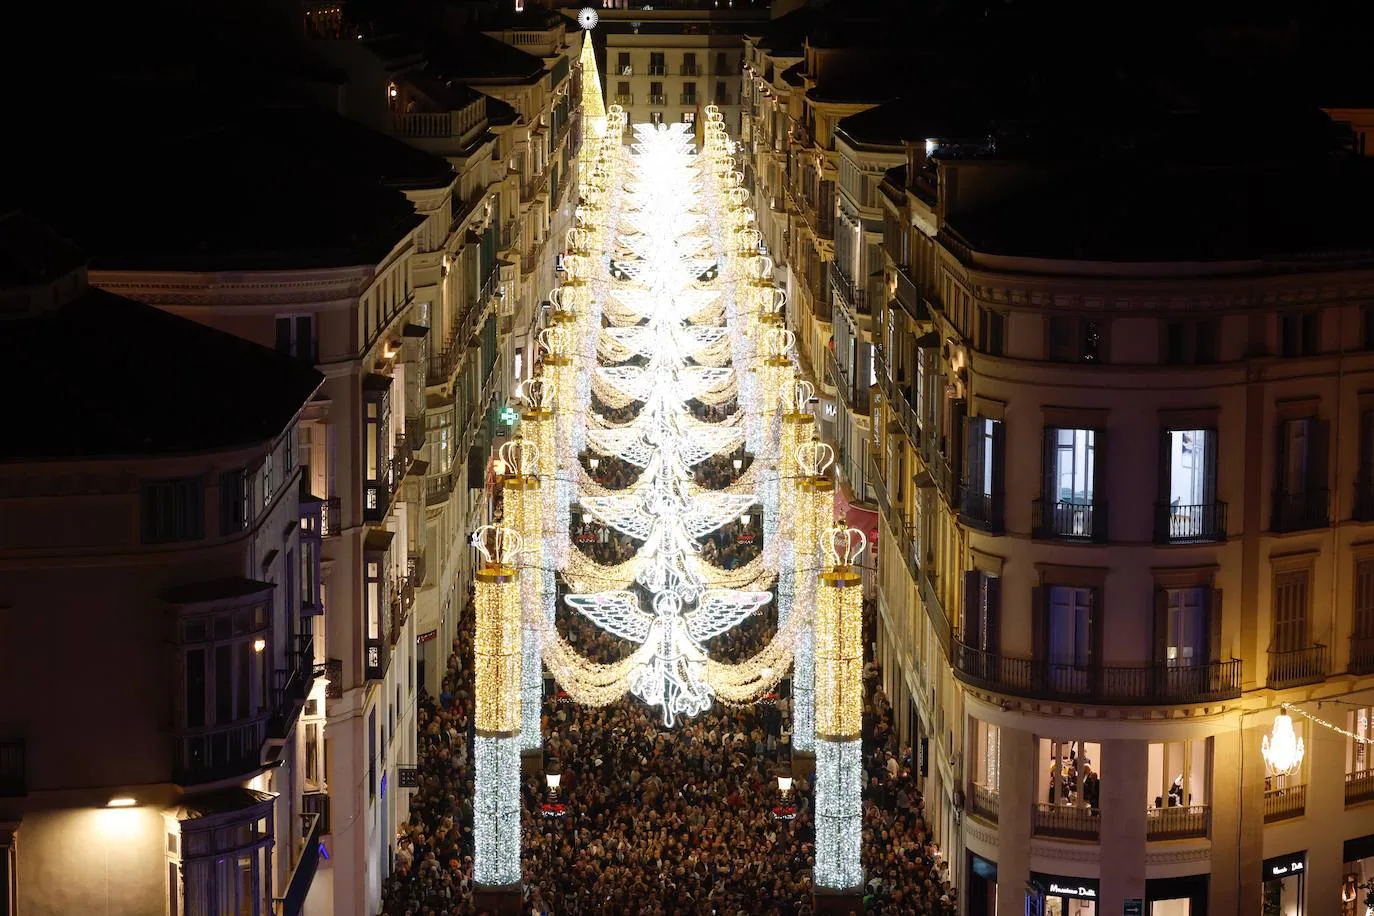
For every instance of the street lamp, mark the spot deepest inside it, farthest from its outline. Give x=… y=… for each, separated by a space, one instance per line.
x=738 y=463
x=553 y=807
x=785 y=810
x=594 y=463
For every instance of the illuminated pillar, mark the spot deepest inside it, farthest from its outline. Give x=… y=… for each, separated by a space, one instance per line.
x=496 y=746
x=524 y=507
x=815 y=498
x=839 y=716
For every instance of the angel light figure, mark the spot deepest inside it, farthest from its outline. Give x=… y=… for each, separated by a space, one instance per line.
x=675 y=677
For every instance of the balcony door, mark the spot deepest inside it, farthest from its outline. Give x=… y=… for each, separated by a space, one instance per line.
x=1187 y=627
x=1068 y=636
x=1290 y=611
x=1072 y=470
x=1192 y=469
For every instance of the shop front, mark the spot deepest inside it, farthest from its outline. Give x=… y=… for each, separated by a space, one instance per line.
x=1061 y=895
x=1357 y=883
x=1185 y=896
x=982 y=886
x=1285 y=883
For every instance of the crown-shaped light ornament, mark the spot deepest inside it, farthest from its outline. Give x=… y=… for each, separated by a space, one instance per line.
x=845 y=545
x=554 y=341
x=537 y=393
x=797 y=395
x=814 y=458
x=778 y=342
x=497 y=545
x=520 y=455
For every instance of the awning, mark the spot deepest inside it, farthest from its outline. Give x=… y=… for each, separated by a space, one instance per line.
x=928 y=341
x=414 y=330
x=228 y=589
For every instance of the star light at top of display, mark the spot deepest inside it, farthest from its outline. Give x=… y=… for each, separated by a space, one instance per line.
x=662 y=263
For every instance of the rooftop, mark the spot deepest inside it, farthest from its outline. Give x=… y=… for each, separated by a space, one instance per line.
x=468 y=54
x=275 y=187
x=142 y=381
x=1148 y=214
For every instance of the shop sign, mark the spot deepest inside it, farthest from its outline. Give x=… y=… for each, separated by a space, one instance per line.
x=1285 y=866
x=426 y=637
x=1133 y=906
x=1068 y=886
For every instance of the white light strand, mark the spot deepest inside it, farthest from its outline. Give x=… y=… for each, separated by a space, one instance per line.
x=1360 y=739
x=839 y=815
x=496 y=811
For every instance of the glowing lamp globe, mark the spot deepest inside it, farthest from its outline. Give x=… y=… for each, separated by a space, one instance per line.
x=587 y=18
x=1282 y=749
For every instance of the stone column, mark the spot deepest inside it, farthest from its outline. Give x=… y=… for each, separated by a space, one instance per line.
x=1124 y=774
x=1016 y=796
x=1237 y=803
x=1325 y=805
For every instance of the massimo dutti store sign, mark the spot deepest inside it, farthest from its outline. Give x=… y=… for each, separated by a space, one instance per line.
x=1066 y=886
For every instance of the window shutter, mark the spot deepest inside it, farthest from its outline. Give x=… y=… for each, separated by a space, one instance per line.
x=1049 y=492
x=1161 y=626
x=1281 y=457
x=999 y=472
x=1040 y=595
x=1214 y=626
x=968 y=624
x=958 y=414
x=992 y=625
x=973 y=460
x=1101 y=480
x=1318 y=452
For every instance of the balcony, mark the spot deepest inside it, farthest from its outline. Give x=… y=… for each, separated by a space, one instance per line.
x=689 y=70
x=1283 y=804
x=1069 y=521
x=375 y=659
x=983 y=803
x=307 y=861
x=689 y=98
x=1183 y=822
x=438 y=487
x=908 y=297
x=657 y=100
x=1111 y=685
x=895 y=522
x=724 y=98
x=317 y=803
x=215 y=752
x=1294 y=667
x=1359 y=787
x=658 y=70
x=1066 y=822
x=1300 y=511
x=1190 y=524
x=624 y=100
x=1364 y=502
x=1361 y=654
x=982 y=511
x=853 y=298
x=290 y=689
x=331 y=517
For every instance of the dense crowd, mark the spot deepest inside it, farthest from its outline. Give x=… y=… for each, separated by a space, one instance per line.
x=656 y=821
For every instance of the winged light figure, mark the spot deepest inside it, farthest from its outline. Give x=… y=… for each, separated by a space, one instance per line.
x=675 y=677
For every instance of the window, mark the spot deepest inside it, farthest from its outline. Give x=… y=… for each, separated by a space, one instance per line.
x=722 y=97
x=657 y=66
x=991 y=330
x=689 y=93
x=13 y=769
x=1367 y=314
x=1076 y=340
x=1186 y=626
x=984 y=471
x=228 y=867
x=1178 y=773
x=623 y=64
x=721 y=64
x=224 y=672
x=1068 y=772
x=374 y=599
x=689 y=64
x=173 y=510
x=1291 y=601
x=1300 y=333
x=1071 y=466
x=296 y=336
x=1188 y=469
x=372 y=754
x=655 y=117
x=622 y=89
x=982 y=606
x=1069 y=625
x=9 y=876
x=268 y=481
x=689 y=117
x=987 y=767
x=233 y=501
x=1359 y=756
x=1363 y=611
x=656 y=92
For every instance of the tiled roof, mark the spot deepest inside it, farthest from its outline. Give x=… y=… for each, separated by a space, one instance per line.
x=134 y=380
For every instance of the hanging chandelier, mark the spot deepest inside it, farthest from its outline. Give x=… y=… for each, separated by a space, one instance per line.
x=1282 y=749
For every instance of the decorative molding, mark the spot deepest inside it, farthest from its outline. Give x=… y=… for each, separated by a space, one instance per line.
x=1085 y=852
x=1175 y=856
x=980 y=831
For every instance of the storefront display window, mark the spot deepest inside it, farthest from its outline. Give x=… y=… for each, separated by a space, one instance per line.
x=1062 y=895
x=1285 y=879
x=1357 y=883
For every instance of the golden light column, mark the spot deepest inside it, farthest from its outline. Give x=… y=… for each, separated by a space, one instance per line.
x=814 y=510
x=838 y=628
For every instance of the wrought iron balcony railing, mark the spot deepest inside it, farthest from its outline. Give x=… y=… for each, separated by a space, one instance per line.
x=1293 y=667
x=1180 y=822
x=1178 y=524
x=1069 y=521
x=1068 y=822
x=1159 y=684
x=1300 y=511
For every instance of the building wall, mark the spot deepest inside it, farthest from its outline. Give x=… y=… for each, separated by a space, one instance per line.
x=93 y=859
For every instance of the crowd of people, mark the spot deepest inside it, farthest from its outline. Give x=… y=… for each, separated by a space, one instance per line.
x=657 y=821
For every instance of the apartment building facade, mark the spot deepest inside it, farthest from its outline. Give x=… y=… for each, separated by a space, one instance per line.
x=1123 y=509
x=666 y=65
x=161 y=587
